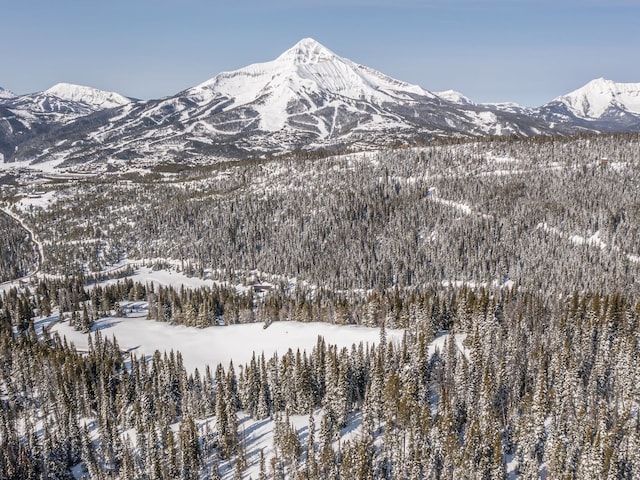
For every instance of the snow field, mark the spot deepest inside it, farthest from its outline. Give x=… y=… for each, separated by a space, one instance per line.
x=214 y=345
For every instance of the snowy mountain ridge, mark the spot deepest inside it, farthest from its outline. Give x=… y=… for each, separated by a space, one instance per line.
x=4 y=93
x=34 y=116
x=307 y=71
x=307 y=98
x=594 y=99
x=599 y=106
x=98 y=99
x=310 y=65
x=455 y=97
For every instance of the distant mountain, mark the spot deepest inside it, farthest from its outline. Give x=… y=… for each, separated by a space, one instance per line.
x=307 y=98
x=5 y=94
x=28 y=117
x=63 y=102
x=599 y=97
x=510 y=107
x=92 y=97
x=600 y=105
x=455 y=97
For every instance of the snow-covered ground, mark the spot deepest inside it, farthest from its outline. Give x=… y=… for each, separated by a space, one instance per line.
x=43 y=200
x=50 y=167
x=440 y=342
x=213 y=345
x=161 y=277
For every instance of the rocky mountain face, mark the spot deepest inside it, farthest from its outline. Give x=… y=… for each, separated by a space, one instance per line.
x=307 y=98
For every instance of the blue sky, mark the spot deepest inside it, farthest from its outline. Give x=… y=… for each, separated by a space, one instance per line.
x=497 y=50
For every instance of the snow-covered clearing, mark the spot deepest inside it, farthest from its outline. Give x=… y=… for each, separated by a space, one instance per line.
x=161 y=277
x=473 y=285
x=46 y=167
x=213 y=345
x=43 y=200
x=592 y=240
x=492 y=157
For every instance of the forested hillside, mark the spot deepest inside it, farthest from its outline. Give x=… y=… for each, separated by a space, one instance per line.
x=541 y=388
x=510 y=264
x=18 y=253
x=544 y=213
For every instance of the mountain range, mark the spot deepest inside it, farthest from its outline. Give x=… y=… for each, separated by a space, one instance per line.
x=307 y=98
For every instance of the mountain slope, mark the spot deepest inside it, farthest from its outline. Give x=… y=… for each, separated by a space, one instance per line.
x=97 y=99
x=26 y=118
x=5 y=94
x=600 y=96
x=600 y=105
x=308 y=97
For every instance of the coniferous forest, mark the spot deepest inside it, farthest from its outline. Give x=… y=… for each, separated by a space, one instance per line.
x=510 y=266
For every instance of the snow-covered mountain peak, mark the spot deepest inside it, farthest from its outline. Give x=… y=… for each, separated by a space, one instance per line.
x=600 y=83
x=307 y=79
x=309 y=73
x=4 y=93
x=97 y=99
x=598 y=96
x=454 y=96
x=307 y=51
